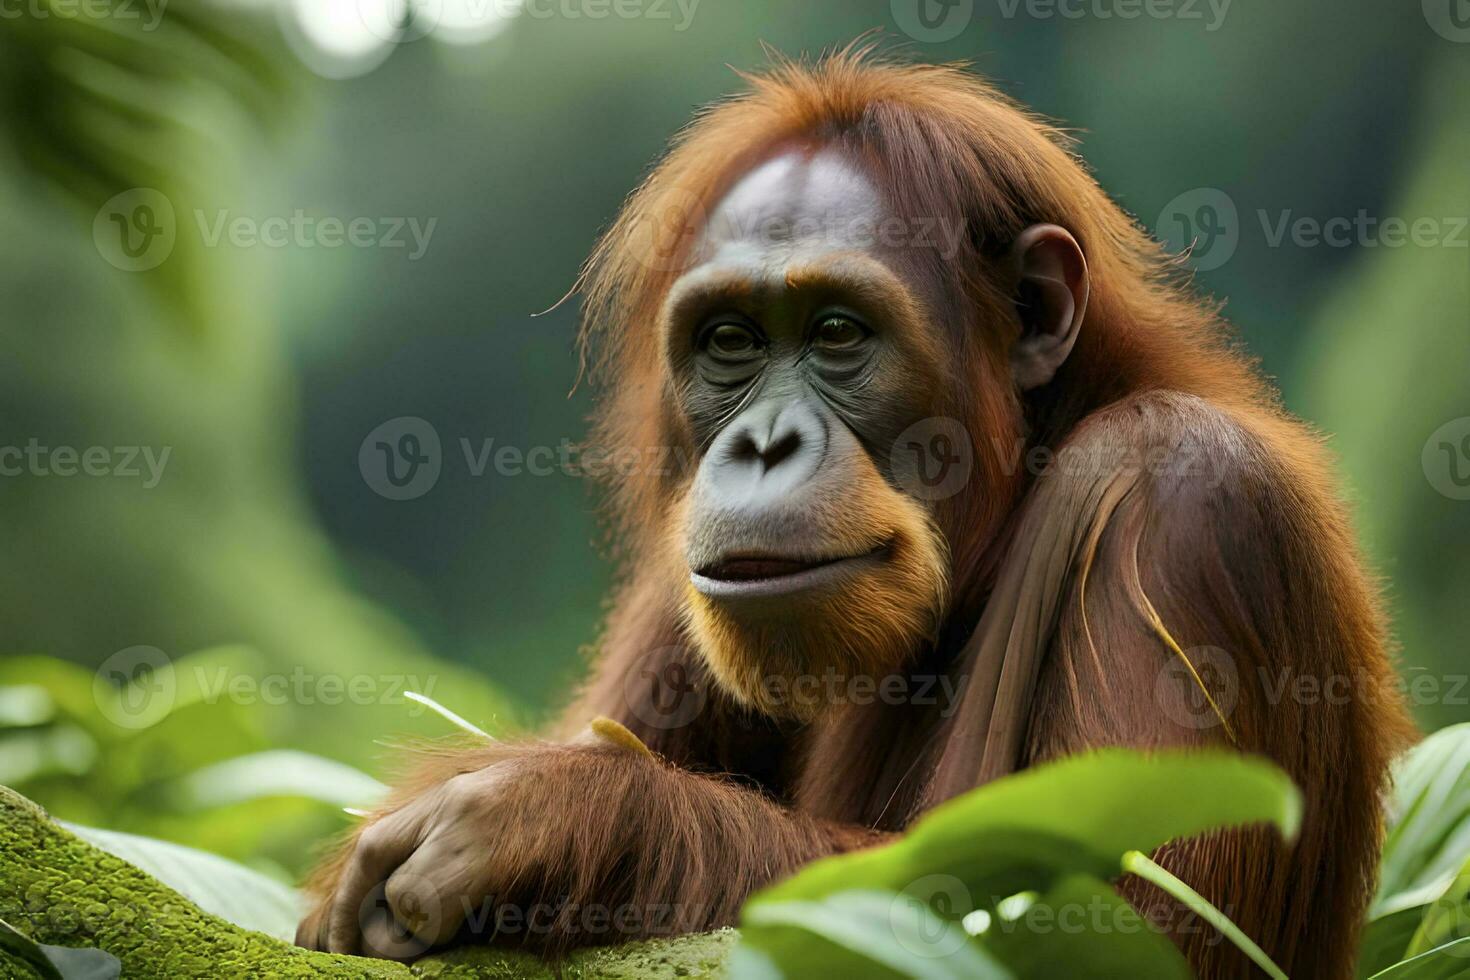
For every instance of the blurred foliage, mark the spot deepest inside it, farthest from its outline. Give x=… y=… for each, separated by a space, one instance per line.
x=198 y=770
x=1393 y=367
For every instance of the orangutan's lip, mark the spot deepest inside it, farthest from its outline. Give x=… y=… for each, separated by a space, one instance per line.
x=749 y=576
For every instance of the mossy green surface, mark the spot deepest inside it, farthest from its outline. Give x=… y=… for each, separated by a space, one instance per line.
x=61 y=890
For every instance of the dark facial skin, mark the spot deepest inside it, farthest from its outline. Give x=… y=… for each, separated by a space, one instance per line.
x=800 y=355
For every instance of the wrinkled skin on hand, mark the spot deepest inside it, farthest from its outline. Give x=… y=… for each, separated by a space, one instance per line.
x=551 y=846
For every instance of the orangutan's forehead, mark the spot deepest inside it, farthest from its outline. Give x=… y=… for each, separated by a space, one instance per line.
x=799 y=199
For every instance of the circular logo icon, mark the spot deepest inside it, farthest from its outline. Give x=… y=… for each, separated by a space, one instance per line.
x=401 y=458
x=1450 y=19
x=933 y=458
x=1446 y=459
x=1187 y=700
x=664 y=234
x=925 y=916
x=399 y=21
x=663 y=690
x=1203 y=222
x=401 y=918
x=135 y=230
x=932 y=21
x=136 y=687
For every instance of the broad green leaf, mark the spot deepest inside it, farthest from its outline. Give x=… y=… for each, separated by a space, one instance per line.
x=67 y=685
x=1429 y=822
x=25 y=705
x=1080 y=929
x=870 y=933
x=64 y=750
x=218 y=886
x=278 y=772
x=1077 y=815
x=1386 y=939
x=1446 y=919
x=24 y=948
x=83 y=962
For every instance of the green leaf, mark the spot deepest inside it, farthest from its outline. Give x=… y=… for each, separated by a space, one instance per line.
x=1429 y=819
x=1060 y=830
x=1448 y=962
x=1080 y=814
x=869 y=933
x=26 y=949
x=278 y=772
x=1080 y=929
x=1446 y=919
x=1386 y=939
x=218 y=886
x=83 y=962
x=1136 y=862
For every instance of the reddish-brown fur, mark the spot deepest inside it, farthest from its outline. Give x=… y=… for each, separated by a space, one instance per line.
x=1258 y=563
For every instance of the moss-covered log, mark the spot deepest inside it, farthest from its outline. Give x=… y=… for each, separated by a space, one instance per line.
x=60 y=890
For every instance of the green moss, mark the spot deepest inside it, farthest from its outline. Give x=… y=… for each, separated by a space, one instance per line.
x=61 y=890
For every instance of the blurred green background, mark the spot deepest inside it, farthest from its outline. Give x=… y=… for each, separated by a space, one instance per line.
x=507 y=136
